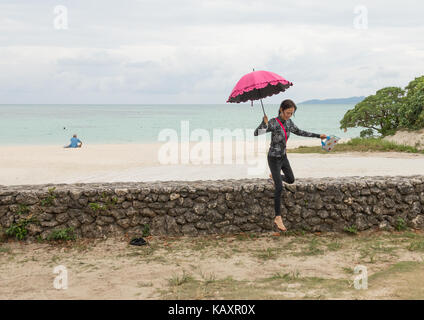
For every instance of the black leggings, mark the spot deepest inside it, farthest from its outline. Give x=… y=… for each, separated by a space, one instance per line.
x=276 y=164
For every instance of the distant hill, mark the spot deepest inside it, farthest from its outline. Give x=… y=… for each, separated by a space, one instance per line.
x=351 y=100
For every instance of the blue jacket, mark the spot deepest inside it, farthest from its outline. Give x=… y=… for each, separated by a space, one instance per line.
x=74 y=142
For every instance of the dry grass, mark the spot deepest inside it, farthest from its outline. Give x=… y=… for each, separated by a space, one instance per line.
x=244 y=266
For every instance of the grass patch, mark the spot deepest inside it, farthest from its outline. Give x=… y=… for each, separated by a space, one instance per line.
x=401 y=225
x=19 y=229
x=110 y=202
x=348 y=270
x=82 y=245
x=55 y=259
x=404 y=236
x=144 y=284
x=201 y=245
x=5 y=250
x=312 y=249
x=246 y=236
x=290 y=276
x=417 y=245
x=375 y=249
x=224 y=254
x=62 y=234
x=180 y=280
x=361 y=145
x=96 y=207
x=146 y=230
x=208 y=278
x=142 y=252
x=23 y=209
x=267 y=254
x=291 y=233
x=351 y=230
x=406 y=277
x=274 y=287
x=48 y=201
x=334 y=246
x=3 y=235
x=399 y=267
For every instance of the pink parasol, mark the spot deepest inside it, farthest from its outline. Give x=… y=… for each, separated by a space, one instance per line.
x=257 y=85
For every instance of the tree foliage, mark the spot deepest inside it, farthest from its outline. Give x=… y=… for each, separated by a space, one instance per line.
x=379 y=112
x=412 y=111
x=388 y=110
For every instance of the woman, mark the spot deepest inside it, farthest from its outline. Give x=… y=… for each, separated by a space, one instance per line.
x=277 y=156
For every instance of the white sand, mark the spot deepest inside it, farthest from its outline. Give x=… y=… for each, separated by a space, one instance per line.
x=409 y=138
x=141 y=162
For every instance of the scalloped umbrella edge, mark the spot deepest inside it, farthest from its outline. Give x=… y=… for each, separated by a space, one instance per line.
x=257 y=85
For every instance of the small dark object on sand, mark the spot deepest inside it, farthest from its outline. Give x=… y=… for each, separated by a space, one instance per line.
x=138 y=242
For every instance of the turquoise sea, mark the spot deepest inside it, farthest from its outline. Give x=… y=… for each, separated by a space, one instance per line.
x=120 y=124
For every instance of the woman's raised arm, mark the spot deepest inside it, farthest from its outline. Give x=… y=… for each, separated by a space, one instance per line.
x=264 y=127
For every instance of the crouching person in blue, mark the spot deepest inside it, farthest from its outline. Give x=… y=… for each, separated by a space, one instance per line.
x=75 y=142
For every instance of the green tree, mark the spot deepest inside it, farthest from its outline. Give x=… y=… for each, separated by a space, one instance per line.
x=412 y=110
x=379 y=112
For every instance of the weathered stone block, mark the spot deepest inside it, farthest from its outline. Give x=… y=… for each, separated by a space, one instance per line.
x=172 y=227
x=147 y=212
x=62 y=217
x=158 y=226
x=189 y=230
x=191 y=217
x=199 y=208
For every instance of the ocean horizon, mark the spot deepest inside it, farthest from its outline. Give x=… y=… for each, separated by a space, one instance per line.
x=54 y=124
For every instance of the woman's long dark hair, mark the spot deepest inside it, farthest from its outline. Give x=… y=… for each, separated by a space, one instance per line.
x=287 y=104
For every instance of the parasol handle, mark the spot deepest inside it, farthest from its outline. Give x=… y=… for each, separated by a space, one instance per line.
x=263 y=107
x=260 y=99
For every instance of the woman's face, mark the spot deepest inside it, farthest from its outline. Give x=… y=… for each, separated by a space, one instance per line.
x=286 y=114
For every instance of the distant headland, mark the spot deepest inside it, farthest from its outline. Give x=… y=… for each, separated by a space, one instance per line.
x=351 y=100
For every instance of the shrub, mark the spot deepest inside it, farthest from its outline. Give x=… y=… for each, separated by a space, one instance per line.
x=96 y=207
x=18 y=229
x=146 y=230
x=48 y=201
x=62 y=234
x=351 y=230
x=401 y=225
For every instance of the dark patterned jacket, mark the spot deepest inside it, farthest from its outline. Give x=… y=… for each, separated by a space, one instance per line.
x=277 y=147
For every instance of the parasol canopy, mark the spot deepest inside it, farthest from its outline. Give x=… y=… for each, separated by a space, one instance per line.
x=257 y=85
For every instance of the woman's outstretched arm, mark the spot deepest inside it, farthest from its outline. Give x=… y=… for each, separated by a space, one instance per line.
x=299 y=132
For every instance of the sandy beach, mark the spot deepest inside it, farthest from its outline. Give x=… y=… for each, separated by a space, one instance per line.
x=146 y=162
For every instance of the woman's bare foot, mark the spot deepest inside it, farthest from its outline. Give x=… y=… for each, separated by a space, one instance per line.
x=279 y=222
x=272 y=180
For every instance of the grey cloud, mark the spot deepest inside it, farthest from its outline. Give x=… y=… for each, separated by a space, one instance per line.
x=97 y=59
x=141 y=64
x=106 y=23
x=195 y=51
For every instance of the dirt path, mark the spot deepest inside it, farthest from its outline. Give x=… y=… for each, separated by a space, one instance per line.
x=245 y=266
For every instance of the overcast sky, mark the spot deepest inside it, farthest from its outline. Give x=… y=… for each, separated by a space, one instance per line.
x=194 y=51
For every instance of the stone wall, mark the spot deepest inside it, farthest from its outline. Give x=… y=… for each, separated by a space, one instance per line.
x=212 y=207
